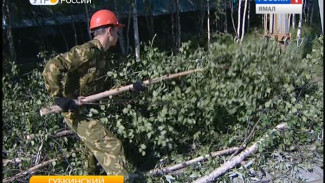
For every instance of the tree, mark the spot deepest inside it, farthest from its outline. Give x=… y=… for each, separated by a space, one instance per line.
x=178 y=25
x=226 y=17
x=136 y=31
x=239 y=19
x=128 y=30
x=232 y=17
x=208 y=22
x=73 y=26
x=149 y=18
x=243 y=25
x=87 y=16
x=299 y=27
x=248 y=14
x=321 y=13
x=7 y=22
x=293 y=21
x=120 y=32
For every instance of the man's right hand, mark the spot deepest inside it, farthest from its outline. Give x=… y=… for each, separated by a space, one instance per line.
x=66 y=104
x=138 y=86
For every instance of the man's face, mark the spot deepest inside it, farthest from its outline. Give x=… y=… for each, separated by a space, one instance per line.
x=113 y=35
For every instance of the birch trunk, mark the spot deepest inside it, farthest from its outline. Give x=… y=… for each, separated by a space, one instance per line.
x=178 y=166
x=244 y=20
x=208 y=22
x=299 y=27
x=239 y=19
x=136 y=32
x=265 y=24
x=321 y=13
x=300 y=21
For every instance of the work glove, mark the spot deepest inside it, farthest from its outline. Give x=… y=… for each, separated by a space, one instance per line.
x=66 y=104
x=138 y=86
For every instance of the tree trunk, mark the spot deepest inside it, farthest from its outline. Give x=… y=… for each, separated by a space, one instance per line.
x=232 y=17
x=128 y=32
x=64 y=38
x=120 y=33
x=239 y=19
x=265 y=24
x=7 y=19
x=173 y=22
x=243 y=26
x=293 y=21
x=321 y=13
x=208 y=23
x=289 y=21
x=178 y=27
x=87 y=23
x=149 y=18
x=226 y=17
x=239 y=158
x=304 y=10
x=202 y=17
x=271 y=24
x=248 y=15
x=136 y=31
x=73 y=27
x=299 y=27
x=122 y=41
x=311 y=11
x=166 y=170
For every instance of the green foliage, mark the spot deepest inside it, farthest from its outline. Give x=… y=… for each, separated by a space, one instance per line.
x=257 y=81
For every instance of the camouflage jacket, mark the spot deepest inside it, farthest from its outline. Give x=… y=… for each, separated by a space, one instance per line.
x=79 y=72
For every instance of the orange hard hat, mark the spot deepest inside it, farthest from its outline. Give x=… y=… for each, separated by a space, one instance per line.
x=104 y=17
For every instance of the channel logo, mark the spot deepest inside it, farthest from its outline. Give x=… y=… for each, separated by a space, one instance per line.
x=278 y=1
x=54 y=2
x=278 y=6
x=43 y=2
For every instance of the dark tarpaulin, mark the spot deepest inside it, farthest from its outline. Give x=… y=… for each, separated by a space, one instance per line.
x=159 y=7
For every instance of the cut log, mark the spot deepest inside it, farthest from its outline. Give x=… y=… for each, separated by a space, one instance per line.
x=192 y=161
x=237 y=159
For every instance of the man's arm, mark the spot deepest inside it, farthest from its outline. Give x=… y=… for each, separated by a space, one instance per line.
x=78 y=59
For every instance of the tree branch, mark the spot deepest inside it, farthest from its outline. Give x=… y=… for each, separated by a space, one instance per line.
x=30 y=170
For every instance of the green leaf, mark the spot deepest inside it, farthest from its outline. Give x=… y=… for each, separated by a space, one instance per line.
x=53 y=163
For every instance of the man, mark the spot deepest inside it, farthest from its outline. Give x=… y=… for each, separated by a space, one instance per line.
x=82 y=72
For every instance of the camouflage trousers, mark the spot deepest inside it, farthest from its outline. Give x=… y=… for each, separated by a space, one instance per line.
x=101 y=144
